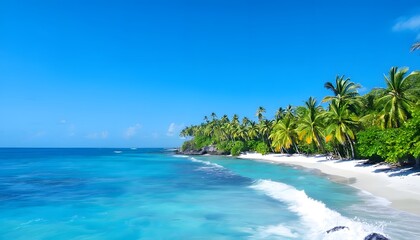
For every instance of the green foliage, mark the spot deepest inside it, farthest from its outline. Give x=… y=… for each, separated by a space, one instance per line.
x=412 y=126
x=201 y=141
x=370 y=145
x=262 y=148
x=197 y=143
x=388 y=144
x=394 y=145
x=306 y=148
x=237 y=148
x=224 y=146
x=187 y=145
x=251 y=145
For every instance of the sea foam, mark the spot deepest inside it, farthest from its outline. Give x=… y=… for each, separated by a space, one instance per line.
x=314 y=215
x=215 y=165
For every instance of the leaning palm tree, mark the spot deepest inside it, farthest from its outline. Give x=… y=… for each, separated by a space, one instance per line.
x=415 y=46
x=311 y=124
x=284 y=135
x=341 y=125
x=398 y=98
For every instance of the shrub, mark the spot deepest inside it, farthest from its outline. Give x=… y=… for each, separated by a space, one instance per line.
x=224 y=146
x=262 y=148
x=201 y=141
x=237 y=148
x=251 y=145
x=307 y=148
x=394 y=145
x=370 y=144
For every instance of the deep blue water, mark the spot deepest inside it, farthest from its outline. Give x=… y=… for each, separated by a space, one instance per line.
x=153 y=194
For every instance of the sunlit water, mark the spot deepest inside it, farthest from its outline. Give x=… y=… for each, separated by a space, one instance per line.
x=153 y=194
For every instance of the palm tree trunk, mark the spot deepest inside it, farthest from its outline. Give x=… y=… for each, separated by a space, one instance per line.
x=320 y=145
x=351 y=146
x=339 y=154
x=296 y=147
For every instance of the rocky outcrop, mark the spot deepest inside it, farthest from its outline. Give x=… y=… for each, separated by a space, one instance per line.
x=212 y=150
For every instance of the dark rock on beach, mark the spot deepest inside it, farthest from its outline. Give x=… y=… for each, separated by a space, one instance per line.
x=376 y=236
x=372 y=236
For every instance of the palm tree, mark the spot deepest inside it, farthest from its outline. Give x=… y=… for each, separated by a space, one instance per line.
x=341 y=125
x=398 y=98
x=415 y=46
x=206 y=119
x=344 y=91
x=264 y=128
x=284 y=134
x=280 y=113
x=289 y=111
x=235 y=119
x=310 y=127
x=224 y=119
x=242 y=133
x=260 y=113
x=213 y=116
x=252 y=130
x=371 y=113
x=245 y=121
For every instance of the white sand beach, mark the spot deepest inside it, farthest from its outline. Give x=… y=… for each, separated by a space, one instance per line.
x=401 y=186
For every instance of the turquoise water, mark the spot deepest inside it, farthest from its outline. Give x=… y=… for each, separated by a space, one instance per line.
x=153 y=194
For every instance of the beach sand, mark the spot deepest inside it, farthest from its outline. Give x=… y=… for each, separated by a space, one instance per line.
x=400 y=186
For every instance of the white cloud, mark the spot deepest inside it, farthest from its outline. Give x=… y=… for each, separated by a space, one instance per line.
x=173 y=128
x=98 y=135
x=411 y=24
x=132 y=131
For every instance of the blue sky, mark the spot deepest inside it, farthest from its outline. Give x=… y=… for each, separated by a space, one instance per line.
x=133 y=73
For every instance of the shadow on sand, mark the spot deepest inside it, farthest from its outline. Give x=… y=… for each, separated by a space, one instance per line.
x=391 y=171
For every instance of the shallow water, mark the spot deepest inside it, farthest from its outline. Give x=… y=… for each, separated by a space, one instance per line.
x=152 y=194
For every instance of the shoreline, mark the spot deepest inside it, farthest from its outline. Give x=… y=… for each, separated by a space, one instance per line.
x=399 y=186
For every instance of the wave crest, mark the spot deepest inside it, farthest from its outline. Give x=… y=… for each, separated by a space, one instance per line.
x=316 y=217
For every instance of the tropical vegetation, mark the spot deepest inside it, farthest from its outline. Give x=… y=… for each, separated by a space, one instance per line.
x=381 y=125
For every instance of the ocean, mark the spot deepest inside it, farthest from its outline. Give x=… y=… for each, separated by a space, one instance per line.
x=154 y=194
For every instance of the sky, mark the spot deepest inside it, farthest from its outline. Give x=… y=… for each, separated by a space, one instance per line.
x=134 y=73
